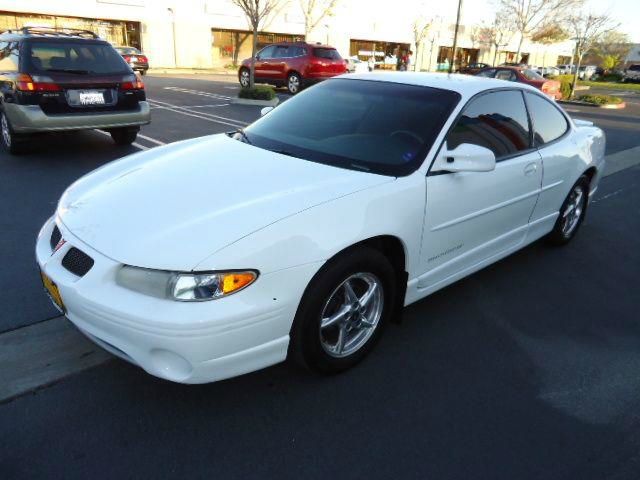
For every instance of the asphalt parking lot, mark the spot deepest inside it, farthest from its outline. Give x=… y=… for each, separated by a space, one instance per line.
x=528 y=369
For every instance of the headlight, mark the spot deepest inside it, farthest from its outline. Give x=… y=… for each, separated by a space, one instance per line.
x=185 y=287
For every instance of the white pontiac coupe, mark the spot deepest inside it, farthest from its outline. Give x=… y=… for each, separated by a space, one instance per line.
x=304 y=234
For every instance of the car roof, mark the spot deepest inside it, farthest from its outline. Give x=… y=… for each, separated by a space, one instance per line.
x=465 y=85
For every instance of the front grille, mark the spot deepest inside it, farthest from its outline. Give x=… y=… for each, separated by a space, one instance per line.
x=77 y=262
x=55 y=237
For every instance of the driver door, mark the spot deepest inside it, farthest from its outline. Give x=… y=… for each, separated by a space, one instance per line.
x=472 y=218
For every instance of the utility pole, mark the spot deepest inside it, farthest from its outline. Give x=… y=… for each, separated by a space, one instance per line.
x=455 y=37
x=173 y=28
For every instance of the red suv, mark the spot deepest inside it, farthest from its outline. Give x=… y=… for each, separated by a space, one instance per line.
x=294 y=65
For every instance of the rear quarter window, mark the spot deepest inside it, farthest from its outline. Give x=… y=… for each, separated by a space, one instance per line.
x=549 y=123
x=8 y=56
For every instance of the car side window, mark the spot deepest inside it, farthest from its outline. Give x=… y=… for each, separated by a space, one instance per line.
x=497 y=121
x=506 y=75
x=548 y=122
x=487 y=73
x=297 y=51
x=267 y=52
x=282 y=51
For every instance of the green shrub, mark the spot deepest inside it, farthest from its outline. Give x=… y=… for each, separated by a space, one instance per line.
x=259 y=92
x=611 y=77
x=600 y=99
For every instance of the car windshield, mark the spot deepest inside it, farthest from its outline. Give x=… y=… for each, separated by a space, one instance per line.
x=531 y=75
x=379 y=127
x=73 y=57
x=128 y=51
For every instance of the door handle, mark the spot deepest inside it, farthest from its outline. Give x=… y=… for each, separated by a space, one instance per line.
x=530 y=169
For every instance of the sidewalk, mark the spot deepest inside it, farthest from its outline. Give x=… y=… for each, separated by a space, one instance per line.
x=192 y=71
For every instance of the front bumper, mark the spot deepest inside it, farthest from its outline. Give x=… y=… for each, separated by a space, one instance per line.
x=31 y=118
x=182 y=342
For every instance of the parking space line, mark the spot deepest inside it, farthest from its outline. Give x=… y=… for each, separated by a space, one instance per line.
x=152 y=140
x=202 y=115
x=135 y=144
x=198 y=92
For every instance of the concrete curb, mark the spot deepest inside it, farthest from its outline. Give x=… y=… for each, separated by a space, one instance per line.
x=191 y=71
x=611 y=106
x=261 y=103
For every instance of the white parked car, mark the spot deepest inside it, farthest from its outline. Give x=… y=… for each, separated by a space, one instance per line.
x=632 y=73
x=355 y=65
x=305 y=234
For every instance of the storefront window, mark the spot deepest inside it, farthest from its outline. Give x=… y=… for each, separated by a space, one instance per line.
x=114 y=31
x=232 y=46
x=382 y=55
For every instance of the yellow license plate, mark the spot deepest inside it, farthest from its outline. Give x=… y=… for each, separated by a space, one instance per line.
x=53 y=292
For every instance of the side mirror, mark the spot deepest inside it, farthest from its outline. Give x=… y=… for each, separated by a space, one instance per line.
x=265 y=110
x=258 y=57
x=466 y=157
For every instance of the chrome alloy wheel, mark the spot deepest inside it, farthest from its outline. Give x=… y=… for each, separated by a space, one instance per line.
x=573 y=211
x=244 y=78
x=351 y=314
x=6 y=133
x=294 y=84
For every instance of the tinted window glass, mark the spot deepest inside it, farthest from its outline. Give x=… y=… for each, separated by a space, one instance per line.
x=267 y=52
x=487 y=73
x=506 y=75
x=75 y=57
x=381 y=127
x=128 y=51
x=329 y=53
x=497 y=121
x=282 y=51
x=297 y=51
x=548 y=122
x=531 y=75
x=635 y=68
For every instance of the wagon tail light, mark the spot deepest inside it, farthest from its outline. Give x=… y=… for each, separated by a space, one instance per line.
x=132 y=82
x=127 y=58
x=550 y=87
x=36 y=83
x=142 y=58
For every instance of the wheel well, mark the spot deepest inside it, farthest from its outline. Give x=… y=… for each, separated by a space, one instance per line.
x=590 y=173
x=294 y=71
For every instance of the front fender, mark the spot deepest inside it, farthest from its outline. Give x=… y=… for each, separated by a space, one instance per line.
x=318 y=233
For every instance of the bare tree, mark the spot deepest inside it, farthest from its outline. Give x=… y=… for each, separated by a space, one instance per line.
x=420 y=29
x=497 y=34
x=257 y=12
x=529 y=15
x=587 y=29
x=315 y=11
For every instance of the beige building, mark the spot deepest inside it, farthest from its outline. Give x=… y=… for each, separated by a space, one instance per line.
x=214 y=33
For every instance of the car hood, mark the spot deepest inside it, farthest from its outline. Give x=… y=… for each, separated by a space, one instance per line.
x=171 y=207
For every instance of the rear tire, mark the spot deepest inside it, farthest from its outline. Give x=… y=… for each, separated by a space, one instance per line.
x=244 y=77
x=124 y=136
x=294 y=83
x=572 y=213
x=334 y=330
x=11 y=142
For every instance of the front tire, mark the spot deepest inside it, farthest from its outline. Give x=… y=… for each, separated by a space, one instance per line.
x=572 y=213
x=124 y=136
x=294 y=83
x=11 y=142
x=343 y=311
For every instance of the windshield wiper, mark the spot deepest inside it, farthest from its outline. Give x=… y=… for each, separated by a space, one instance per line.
x=68 y=70
x=283 y=152
x=242 y=134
